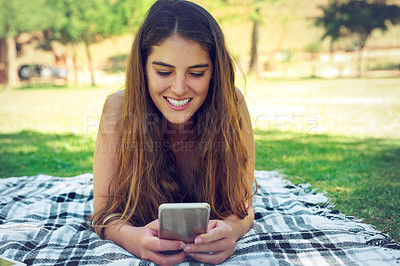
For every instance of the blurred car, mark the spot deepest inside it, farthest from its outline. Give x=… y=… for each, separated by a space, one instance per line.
x=45 y=72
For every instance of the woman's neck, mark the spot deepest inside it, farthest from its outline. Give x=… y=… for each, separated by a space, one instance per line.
x=180 y=129
x=178 y=133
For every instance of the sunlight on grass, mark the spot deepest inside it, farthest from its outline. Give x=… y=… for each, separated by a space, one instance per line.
x=53 y=154
x=352 y=107
x=361 y=175
x=52 y=110
x=354 y=156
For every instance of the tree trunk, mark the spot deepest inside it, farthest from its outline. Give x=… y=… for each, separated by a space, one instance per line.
x=313 y=68
x=253 y=66
x=284 y=32
x=281 y=39
x=89 y=57
x=2 y=60
x=75 y=63
x=363 y=41
x=10 y=70
x=359 y=63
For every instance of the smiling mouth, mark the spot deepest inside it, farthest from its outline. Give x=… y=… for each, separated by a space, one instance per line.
x=178 y=103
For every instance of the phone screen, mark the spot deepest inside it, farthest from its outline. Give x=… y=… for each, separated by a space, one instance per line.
x=183 y=221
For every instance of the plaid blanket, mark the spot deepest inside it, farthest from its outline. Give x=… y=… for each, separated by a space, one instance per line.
x=42 y=222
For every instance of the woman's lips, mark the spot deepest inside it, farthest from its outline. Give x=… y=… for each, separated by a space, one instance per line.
x=178 y=105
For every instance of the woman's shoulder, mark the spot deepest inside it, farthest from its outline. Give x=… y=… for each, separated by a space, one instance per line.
x=116 y=98
x=112 y=113
x=114 y=102
x=243 y=109
x=239 y=94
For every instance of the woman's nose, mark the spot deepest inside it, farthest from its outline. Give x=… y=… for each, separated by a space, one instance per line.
x=179 y=87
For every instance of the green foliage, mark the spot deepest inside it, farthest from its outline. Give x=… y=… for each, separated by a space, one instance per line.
x=94 y=19
x=313 y=47
x=18 y=16
x=357 y=18
x=245 y=10
x=384 y=66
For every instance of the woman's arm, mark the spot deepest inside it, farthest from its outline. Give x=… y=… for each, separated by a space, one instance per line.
x=242 y=226
x=105 y=153
x=143 y=242
x=222 y=235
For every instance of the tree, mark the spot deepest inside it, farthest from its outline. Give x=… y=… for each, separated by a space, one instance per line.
x=91 y=21
x=18 y=16
x=356 y=18
x=258 y=12
x=257 y=20
x=313 y=49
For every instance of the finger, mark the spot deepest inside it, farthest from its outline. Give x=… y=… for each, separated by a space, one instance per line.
x=215 y=246
x=215 y=258
x=161 y=259
x=211 y=224
x=209 y=247
x=171 y=245
x=214 y=235
x=164 y=244
x=153 y=225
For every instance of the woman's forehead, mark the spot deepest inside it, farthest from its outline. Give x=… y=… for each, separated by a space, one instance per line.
x=176 y=49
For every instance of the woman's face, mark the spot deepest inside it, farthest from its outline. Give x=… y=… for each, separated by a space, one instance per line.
x=178 y=73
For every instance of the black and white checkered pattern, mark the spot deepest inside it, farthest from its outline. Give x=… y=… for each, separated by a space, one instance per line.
x=42 y=222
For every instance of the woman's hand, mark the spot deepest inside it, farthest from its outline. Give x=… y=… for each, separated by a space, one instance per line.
x=145 y=244
x=215 y=246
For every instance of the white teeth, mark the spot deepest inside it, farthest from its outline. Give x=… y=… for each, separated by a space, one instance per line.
x=178 y=103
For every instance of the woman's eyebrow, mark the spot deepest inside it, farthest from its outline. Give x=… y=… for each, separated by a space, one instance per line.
x=162 y=64
x=199 y=66
x=168 y=65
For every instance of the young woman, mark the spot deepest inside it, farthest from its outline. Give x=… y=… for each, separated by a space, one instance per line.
x=179 y=132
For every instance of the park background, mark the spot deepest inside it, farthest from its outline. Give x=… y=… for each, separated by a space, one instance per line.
x=320 y=114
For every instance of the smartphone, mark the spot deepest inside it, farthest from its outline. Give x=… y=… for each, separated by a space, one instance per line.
x=183 y=221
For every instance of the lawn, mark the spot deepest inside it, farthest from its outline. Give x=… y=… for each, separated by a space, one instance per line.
x=360 y=175
x=32 y=152
x=52 y=131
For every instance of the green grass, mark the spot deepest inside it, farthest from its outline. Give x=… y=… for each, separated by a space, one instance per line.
x=52 y=131
x=361 y=175
x=32 y=152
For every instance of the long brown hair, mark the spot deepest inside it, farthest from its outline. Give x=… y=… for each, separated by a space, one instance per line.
x=147 y=175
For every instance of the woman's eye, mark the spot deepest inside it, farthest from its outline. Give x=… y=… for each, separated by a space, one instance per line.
x=163 y=73
x=197 y=74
